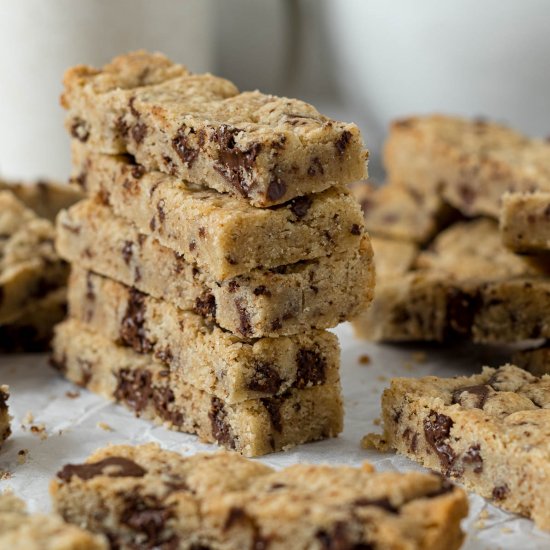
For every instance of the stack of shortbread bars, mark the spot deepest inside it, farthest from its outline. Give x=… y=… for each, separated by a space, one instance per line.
x=216 y=245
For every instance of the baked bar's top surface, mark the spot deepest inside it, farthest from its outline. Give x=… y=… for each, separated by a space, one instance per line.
x=264 y=148
x=508 y=403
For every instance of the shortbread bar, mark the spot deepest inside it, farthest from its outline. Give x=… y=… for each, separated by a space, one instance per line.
x=254 y=427
x=471 y=163
x=525 y=222
x=204 y=355
x=284 y=300
x=402 y=212
x=220 y=233
x=198 y=127
x=490 y=431
x=29 y=265
x=150 y=498
x=5 y=426
x=20 y=530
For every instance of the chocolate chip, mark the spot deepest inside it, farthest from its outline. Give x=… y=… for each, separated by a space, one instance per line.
x=132 y=327
x=266 y=379
x=202 y=232
x=276 y=189
x=300 y=206
x=134 y=388
x=163 y=401
x=462 y=308
x=273 y=407
x=117 y=466
x=315 y=168
x=261 y=291
x=160 y=209
x=379 y=503
x=192 y=246
x=338 y=538
x=133 y=110
x=233 y=286
x=437 y=428
x=235 y=515
x=90 y=293
x=501 y=492
x=245 y=327
x=234 y=164
x=276 y=324
x=79 y=130
x=205 y=306
x=221 y=430
x=473 y=456
x=121 y=127
x=138 y=171
x=183 y=148
x=310 y=368
x=342 y=142
x=127 y=251
x=165 y=355
x=475 y=395
x=139 y=131
x=355 y=229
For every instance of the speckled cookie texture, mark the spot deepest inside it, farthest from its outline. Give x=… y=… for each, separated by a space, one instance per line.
x=198 y=127
x=311 y=294
x=154 y=498
x=5 y=426
x=253 y=427
x=20 y=530
x=221 y=233
x=471 y=163
x=490 y=431
x=211 y=359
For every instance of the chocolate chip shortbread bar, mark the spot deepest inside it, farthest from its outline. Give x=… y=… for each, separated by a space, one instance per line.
x=198 y=127
x=152 y=390
x=147 y=497
x=471 y=163
x=285 y=300
x=205 y=356
x=29 y=265
x=490 y=431
x=20 y=530
x=218 y=232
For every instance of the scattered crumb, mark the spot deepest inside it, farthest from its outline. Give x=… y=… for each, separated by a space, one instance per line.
x=22 y=456
x=419 y=357
x=484 y=514
x=364 y=359
x=506 y=530
x=479 y=524
x=377 y=421
x=72 y=394
x=382 y=378
x=28 y=418
x=4 y=474
x=375 y=442
x=104 y=426
x=39 y=430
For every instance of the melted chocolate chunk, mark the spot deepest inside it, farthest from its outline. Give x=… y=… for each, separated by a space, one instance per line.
x=127 y=251
x=300 y=206
x=273 y=407
x=183 y=147
x=206 y=306
x=260 y=291
x=160 y=209
x=221 y=430
x=437 y=428
x=116 y=466
x=132 y=327
x=355 y=229
x=245 y=327
x=338 y=538
x=311 y=368
x=79 y=130
x=315 y=168
x=163 y=400
x=475 y=395
x=276 y=189
x=234 y=164
x=3 y=398
x=342 y=142
x=266 y=379
x=139 y=131
x=462 y=308
x=134 y=388
x=138 y=171
x=473 y=456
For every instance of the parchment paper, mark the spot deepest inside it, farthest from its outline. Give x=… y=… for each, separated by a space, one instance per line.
x=76 y=426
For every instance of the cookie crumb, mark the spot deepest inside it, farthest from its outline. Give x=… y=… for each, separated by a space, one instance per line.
x=104 y=426
x=4 y=474
x=382 y=378
x=506 y=530
x=39 y=430
x=374 y=442
x=377 y=421
x=72 y=394
x=27 y=419
x=364 y=359
x=22 y=456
